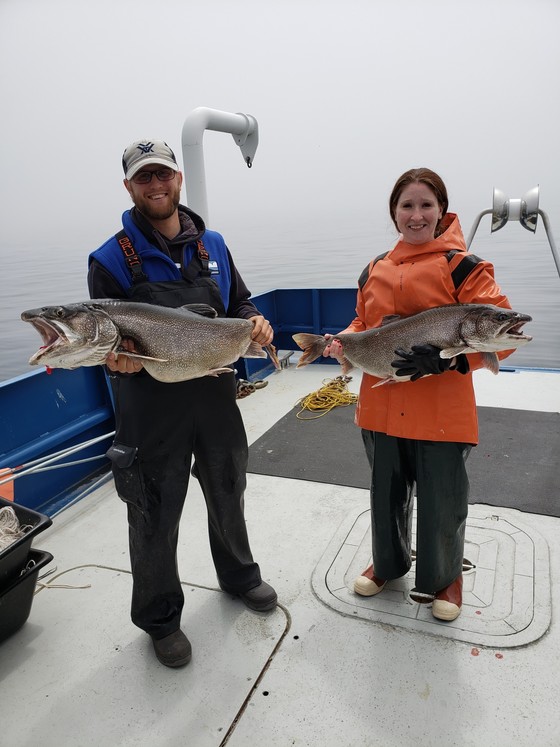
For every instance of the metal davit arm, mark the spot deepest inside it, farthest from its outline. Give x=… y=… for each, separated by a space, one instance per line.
x=475 y=226
x=244 y=129
x=553 y=248
x=525 y=210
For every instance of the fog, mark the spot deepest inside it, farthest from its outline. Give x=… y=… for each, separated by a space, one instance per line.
x=347 y=95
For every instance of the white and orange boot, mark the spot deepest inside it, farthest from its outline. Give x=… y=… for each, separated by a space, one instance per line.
x=368 y=584
x=447 y=603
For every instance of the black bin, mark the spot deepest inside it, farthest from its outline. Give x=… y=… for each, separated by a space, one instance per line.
x=14 y=557
x=16 y=599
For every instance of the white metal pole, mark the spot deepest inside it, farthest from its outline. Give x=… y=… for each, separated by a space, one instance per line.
x=550 y=238
x=244 y=129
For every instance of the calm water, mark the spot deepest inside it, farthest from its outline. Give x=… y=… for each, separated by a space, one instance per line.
x=291 y=258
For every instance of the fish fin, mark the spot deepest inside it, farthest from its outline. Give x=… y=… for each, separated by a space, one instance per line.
x=382 y=382
x=491 y=362
x=141 y=357
x=452 y=352
x=389 y=318
x=346 y=366
x=312 y=346
x=271 y=350
x=218 y=371
x=202 y=309
x=255 y=350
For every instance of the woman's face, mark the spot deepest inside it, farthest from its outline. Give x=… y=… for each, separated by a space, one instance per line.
x=417 y=213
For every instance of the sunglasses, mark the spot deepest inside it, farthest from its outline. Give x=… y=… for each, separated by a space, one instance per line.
x=145 y=177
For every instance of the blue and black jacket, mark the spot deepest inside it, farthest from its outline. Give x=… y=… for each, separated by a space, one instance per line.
x=110 y=277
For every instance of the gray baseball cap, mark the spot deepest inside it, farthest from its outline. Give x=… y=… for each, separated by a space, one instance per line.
x=144 y=152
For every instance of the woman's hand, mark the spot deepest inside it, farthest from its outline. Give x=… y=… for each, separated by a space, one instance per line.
x=333 y=349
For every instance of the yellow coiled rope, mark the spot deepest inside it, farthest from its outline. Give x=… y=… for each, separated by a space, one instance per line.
x=333 y=393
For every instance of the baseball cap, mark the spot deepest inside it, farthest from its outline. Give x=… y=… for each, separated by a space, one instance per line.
x=144 y=152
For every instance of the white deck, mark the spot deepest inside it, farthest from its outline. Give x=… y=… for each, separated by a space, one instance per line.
x=326 y=668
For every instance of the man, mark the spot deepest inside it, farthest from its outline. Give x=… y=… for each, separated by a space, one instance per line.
x=166 y=256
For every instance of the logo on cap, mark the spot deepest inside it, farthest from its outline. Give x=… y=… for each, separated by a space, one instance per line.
x=146 y=147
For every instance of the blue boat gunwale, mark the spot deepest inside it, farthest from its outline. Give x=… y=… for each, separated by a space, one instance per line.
x=42 y=414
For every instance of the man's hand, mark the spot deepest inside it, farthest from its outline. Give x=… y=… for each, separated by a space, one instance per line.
x=262 y=331
x=122 y=363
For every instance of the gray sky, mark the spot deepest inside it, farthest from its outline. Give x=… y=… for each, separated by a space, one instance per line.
x=348 y=94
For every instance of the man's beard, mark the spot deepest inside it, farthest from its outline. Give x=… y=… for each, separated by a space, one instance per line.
x=157 y=211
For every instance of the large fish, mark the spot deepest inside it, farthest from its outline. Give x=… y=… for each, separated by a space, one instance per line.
x=173 y=344
x=455 y=329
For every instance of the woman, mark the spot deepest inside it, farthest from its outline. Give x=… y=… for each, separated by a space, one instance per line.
x=418 y=433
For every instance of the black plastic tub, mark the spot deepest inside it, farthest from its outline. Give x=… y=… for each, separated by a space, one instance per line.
x=14 y=557
x=16 y=599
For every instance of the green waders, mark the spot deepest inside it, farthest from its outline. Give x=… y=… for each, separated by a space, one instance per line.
x=437 y=469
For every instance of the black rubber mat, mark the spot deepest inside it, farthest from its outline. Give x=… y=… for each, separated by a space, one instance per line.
x=515 y=465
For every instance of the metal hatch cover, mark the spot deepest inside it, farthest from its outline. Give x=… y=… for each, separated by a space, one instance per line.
x=506 y=596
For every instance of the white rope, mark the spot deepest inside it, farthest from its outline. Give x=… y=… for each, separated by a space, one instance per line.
x=10 y=528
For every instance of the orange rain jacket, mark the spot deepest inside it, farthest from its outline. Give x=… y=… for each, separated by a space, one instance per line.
x=408 y=280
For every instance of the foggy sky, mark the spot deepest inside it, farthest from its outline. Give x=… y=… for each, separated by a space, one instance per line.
x=347 y=94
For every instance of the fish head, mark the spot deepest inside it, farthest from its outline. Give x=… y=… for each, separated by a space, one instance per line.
x=73 y=335
x=488 y=328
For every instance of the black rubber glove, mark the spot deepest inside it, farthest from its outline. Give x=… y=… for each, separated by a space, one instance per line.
x=423 y=360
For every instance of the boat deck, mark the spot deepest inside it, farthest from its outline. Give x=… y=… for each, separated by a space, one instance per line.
x=326 y=668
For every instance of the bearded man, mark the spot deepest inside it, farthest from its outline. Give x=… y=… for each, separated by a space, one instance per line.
x=165 y=255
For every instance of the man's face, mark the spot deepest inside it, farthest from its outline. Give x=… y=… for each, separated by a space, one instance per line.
x=157 y=199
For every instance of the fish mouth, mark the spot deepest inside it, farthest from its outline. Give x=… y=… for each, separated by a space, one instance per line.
x=514 y=328
x=53 y=336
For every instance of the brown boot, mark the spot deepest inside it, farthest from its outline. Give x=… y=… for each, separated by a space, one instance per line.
x=448 y=601
x=367 y=585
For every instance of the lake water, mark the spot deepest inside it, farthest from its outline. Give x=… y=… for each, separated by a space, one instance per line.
x=525 y=269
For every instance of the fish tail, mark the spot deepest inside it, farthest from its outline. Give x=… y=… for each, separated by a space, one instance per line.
x=312 y=346
x=271 y=350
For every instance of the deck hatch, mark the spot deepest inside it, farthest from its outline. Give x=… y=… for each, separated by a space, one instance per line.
x=506 y=595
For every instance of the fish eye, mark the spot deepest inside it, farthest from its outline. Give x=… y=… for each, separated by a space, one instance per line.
x=503 y=317
x=60 y=311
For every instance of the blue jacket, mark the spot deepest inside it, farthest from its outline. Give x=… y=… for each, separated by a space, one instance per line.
x=157 y=265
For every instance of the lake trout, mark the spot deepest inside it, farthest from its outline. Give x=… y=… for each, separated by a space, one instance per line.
x=173 y=344
x=455 y=329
